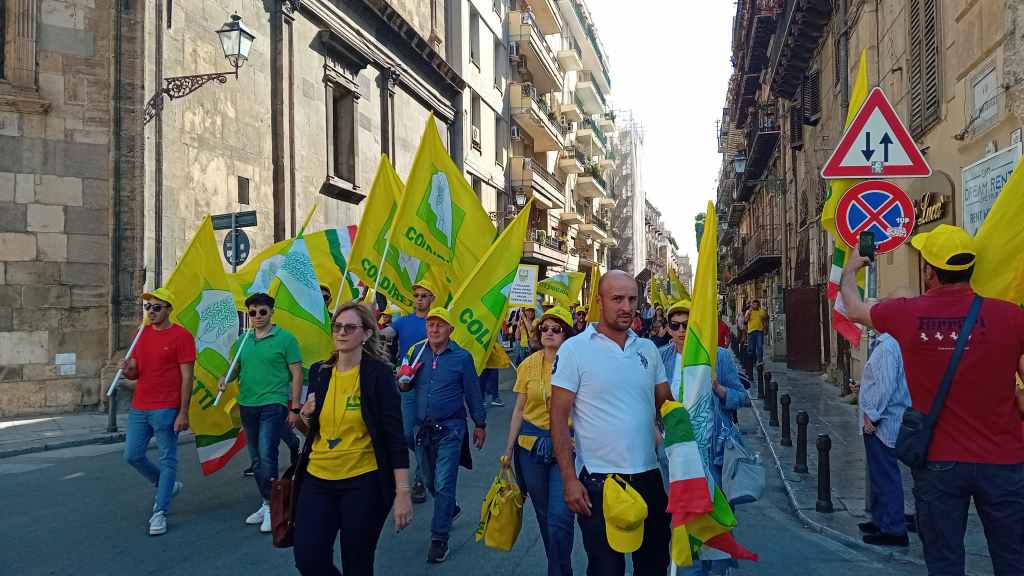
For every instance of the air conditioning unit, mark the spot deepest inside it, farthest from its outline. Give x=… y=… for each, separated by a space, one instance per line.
x=476 y=135
x=515 y=134
x=513 y=50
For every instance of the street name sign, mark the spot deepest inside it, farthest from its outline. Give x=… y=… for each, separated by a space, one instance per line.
x=876 y=206
x=876 y=145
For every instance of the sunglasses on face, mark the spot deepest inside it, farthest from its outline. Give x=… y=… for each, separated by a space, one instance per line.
x=154 y=307
x=676 y=325
x=346 y=328
x=554 y=329
x=260 y=312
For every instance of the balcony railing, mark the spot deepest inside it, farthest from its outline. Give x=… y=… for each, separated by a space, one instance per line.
x=544 y=238
x=588 y=76
x=591 y=169
x=527 y=18
x=762 y=137
x=799 y=33
x=761 y=253
x=593 y=40
x=592 y=126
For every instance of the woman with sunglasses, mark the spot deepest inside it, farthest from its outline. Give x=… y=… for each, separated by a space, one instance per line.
x=729 y=395
x=355 y=465
x=529 y=446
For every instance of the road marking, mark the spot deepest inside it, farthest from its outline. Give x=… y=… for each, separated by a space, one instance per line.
x=75 y=475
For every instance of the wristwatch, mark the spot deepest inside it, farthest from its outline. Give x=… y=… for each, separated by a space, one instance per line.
x=295 y=410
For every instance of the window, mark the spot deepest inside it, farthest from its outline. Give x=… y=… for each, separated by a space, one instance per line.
x=476 y=113
x=499 y=141
x=342 y=128
x=243 y=190
x=478 y=187
x=923 y=54
x=474 y=37
x=499 y=64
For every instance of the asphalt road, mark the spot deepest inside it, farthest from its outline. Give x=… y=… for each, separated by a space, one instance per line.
x=83 y=511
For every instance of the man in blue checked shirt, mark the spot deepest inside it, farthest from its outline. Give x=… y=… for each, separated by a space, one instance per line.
x=445 y=385
x=883 y=397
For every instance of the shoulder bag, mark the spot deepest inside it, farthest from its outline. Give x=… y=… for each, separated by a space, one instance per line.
x=742 y=473
x=916 y=429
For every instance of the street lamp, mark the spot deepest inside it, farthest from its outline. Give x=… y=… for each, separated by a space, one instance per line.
x=235 y=39
x=520 y=198
x=740 y=162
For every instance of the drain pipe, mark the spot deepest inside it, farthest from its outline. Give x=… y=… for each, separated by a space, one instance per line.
x=114 y=335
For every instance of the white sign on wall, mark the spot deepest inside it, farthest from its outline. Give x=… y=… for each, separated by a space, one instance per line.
x=982 y=183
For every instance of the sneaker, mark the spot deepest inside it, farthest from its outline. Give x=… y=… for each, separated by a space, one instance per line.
x=248 y=472
x=497 y=402
x=174 y=492
x=419 y=493
x=265 y=526
x=457 y=512
x=158 y=524
x=257 y=516
x=882 y=539
x=438 y=552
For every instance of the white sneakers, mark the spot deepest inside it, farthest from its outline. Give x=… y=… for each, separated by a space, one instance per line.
x=261 y=517
x=157 y=524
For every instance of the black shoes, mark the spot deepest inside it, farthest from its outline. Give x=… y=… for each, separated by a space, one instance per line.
x=872 y=528
x=248 y=472
x=419 y=493
x=880 y=539
x=438 y=552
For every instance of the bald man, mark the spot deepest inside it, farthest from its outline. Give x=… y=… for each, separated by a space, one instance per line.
x=611 y=382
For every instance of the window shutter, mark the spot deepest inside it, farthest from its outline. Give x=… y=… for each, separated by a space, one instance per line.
x=915 y=60
x=796 y=122
x=930 y=62
x=811 y=98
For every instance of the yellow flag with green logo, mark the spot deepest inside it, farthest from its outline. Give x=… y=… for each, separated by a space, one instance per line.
x=594 y=303
x=440 y=219
x=480 y=304
x=678 y=291
x=564 y=287
x=400 y=271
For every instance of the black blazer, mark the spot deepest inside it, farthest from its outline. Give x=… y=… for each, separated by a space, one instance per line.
x=382 y=413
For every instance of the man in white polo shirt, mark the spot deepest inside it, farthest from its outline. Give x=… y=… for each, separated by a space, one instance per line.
x=611 y=382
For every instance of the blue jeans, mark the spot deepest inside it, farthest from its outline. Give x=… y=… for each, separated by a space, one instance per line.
x=942 y=495
x=489 y=384
x=263 y=425
x=440 y=468
x=755 y=345
x=290 y=439
x=543 y=483
x=886 y=487
x=409 y=427
x=146 y=424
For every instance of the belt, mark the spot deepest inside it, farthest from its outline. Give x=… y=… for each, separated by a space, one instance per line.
x=630 y=478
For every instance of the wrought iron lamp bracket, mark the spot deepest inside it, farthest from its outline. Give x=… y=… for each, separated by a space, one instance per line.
x=180 y=86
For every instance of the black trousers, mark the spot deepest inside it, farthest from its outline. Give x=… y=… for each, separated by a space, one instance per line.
x=356 y=507
x=653 y=555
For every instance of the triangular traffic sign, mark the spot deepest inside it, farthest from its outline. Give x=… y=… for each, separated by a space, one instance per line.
x=876 y=145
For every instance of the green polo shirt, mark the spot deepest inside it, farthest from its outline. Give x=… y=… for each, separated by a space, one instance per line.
x=264 y=377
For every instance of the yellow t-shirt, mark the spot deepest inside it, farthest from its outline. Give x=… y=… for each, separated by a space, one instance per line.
x=757 y=318
x=524 y=336
x=343 y=448
x=534 y=379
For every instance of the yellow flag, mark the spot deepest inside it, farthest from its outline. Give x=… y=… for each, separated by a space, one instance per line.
x=564 y=287
x=400 y=271
x=498 y=357
x=480 y=304
x=594 y=302
x=678 y=290
x=838 y=187
x=999 y=271
x=440 y=219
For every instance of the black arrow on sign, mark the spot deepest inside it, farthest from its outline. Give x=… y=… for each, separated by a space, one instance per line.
x=885 y=141
x=868 y=151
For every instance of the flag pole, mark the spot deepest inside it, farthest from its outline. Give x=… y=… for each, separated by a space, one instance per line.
x=120 y=371
x=234 y=361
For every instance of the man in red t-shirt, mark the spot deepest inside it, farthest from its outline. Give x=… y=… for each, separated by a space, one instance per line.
x=162 y=364
x=977 y=449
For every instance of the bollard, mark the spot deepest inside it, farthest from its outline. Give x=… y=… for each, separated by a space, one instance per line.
x=785 y=401
x=766 y=378
x=801 y=442
x=773 y=404
x=824 y=503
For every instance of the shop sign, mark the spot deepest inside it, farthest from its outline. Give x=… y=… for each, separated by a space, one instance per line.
x=982 y=183
x=931 y=207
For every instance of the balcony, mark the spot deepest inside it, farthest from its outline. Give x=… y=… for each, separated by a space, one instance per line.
x=589 y=93
x=569 y=54
x=603 y=202
x=606 y=121
x=591 y=137
x=579 y=24
x=570 y=217
x=799 y=33
x=571 y=109
x=736 y=210
x=546 y=14
x=531 y=52
x=595 y=226
x=533 y=115
x=762 y=138
x=591 y=184
x=746 y=90
x=547 y=191
x=758 y=24
x=606 y=162
x=542 y=248
x=571 y=160
x=761 y=253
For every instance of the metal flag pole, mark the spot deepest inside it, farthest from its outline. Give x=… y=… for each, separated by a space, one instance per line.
x=234 y=361
x=120 y=371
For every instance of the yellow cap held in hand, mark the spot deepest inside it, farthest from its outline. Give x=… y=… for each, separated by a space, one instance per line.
x=624 y=515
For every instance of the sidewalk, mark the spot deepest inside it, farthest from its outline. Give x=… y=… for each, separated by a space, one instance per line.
x=830 y=414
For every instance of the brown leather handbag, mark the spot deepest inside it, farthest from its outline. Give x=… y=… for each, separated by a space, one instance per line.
x=283 y=493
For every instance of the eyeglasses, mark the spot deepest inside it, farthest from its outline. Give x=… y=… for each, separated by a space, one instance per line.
x=676 y=325
x=346 y=328
x=260 y=312
x=554 y=329
x=154 y=307
x=421 y=295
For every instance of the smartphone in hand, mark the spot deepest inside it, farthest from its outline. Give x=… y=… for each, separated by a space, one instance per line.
x=867 y=245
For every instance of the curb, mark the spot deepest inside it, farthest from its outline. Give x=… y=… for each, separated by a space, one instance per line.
x=106 y=438
x=832 y=533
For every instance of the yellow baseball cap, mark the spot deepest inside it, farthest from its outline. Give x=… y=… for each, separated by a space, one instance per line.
x=624 y=515
x=441 y=313
x=160 y=294
x=679 y=306
x=940 y=245
x=558 y=313
x=426 y=285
